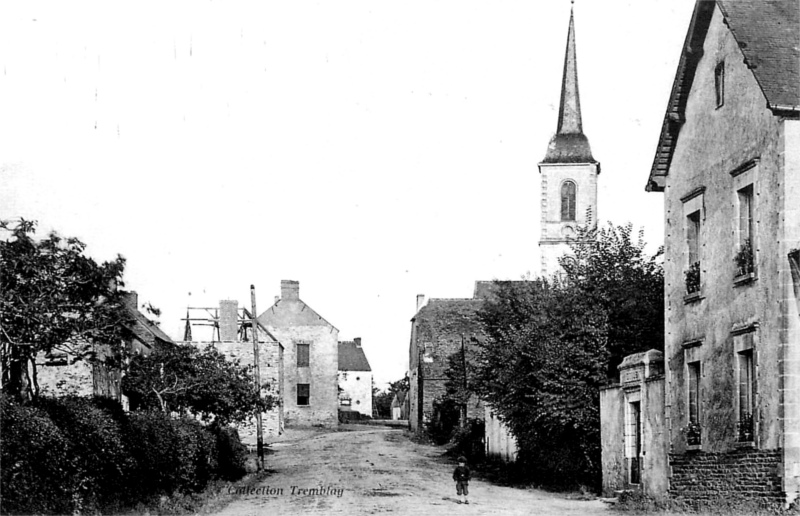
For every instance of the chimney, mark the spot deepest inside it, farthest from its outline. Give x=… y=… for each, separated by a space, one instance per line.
x=227 y=320
x=290 y=290
x=357 y=340
x=420 y=301
x=131 y=298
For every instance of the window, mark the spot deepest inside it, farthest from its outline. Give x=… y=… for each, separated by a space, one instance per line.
x=302 y=355
x=693 y=434
x=745 y=264
x=692 y=274
x=719 y=83
x=745 y=385
x=345 y=402
x=568 y=201
x=303 y=394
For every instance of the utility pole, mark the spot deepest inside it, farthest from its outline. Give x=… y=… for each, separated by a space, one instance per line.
x=464 y=394
x=257 y=374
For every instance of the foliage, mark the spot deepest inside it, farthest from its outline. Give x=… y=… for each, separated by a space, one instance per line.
x=79 y=455
x=232 y=458
x=444 y=421
x=96 y=446
x=691 y=277
x=468 y=441
x=745 y=427
x=552 y=343
x=184 y=378
x=39 y=474
x=54 y=298
x=382 y=400
x=541 y=371
x=616 y=273
x=744 y=259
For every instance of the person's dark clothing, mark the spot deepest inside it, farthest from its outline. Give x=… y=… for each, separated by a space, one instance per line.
x=461 y=474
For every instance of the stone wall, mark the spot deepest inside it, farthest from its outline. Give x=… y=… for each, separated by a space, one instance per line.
x=437 y=332
x=270 y=365
x=754 y=475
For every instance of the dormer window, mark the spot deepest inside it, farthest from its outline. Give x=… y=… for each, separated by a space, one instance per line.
x=568 y=201
x=719 y=83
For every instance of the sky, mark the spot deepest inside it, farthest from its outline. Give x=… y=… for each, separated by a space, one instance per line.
x=370 y=150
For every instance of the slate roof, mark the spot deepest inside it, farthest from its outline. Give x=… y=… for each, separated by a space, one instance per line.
x=146 y=330
x=569 y=144
x=768 y=33
x=142 y=328
x=352 y=357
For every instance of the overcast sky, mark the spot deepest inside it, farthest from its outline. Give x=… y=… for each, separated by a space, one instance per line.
x=371 y=150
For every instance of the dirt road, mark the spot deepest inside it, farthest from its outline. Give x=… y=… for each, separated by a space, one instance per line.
x=373 y=470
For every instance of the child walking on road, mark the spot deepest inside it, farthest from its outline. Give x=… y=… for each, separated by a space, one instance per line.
x=461 y=475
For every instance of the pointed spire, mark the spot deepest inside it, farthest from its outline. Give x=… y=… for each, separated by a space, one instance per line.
x=569 y=145
x=569 y=112
x=187 y=332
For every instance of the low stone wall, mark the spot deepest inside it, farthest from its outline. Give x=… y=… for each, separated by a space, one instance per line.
x=753 y=475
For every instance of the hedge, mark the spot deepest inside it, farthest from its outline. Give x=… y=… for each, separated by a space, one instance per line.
x=67 y=455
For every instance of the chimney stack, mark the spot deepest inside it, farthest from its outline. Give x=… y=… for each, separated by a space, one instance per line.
x=131 y=298
x=228 y=327
x=290 y=290
x=420 y=301
x=357 y=340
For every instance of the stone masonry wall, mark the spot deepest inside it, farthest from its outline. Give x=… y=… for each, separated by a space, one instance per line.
x=269 y=356
x=748 y=474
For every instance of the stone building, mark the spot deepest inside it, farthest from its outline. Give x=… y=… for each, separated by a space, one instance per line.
x=311 y=358
x=633 y=435
x=569 y=172
x=60 y=373
x=438 y=330
x=355 y=378
x=232 y=335
x=728 y=163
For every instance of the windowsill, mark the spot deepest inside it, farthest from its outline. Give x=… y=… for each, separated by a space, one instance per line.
x=694 y=447
x=744 y=279
x=744 y=444
x=693 y=297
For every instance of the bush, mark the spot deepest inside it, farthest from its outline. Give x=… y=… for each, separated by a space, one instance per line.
x=469 y=442
x=173 y=454
x=348 y=416
x=231 y=453
x=67 y=455
x=96 y=445
x=39 y=473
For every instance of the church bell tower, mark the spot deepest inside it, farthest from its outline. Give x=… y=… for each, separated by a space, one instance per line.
x=569 y=172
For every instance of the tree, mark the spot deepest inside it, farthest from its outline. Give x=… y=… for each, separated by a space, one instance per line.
x=540 y=370
x=553 y=343
x=183 y=378
x=616 y=273
x=53 y=297
x=382 y=400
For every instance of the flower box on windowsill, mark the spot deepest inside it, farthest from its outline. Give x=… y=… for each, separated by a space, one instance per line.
x=694 y=447
x=744 y=279
x=691 y=298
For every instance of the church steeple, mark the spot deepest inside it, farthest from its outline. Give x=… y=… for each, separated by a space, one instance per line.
x=568 y=171
x=569 y=144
